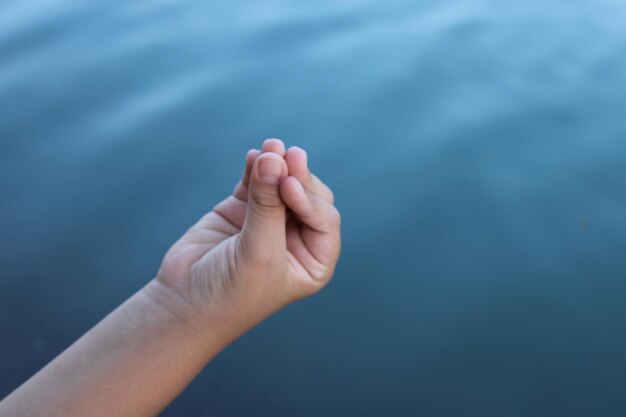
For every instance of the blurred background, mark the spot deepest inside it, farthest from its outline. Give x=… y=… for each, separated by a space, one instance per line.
x=477 y=150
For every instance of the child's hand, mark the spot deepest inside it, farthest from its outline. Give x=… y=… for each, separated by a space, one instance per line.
x=274 y=241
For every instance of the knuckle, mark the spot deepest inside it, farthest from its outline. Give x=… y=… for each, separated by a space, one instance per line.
x=331 y=196
x=268 y=200
x=239 y=189
x=335 y=218
x=266 y=209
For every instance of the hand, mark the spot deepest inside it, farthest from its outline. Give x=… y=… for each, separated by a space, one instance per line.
x=272 y=242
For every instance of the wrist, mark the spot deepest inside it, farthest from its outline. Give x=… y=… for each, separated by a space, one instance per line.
x=215 y=325
x=166 y=305
x=157 y=312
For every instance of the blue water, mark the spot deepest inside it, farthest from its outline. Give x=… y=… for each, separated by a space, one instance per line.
x=477 y=150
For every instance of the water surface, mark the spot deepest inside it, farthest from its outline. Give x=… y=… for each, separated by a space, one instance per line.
x=477 y=150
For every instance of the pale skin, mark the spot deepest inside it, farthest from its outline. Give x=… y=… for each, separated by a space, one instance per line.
x=274 y=241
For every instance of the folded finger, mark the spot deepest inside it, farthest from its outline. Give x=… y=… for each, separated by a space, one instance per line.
x=321 y=189
x=241 y=190
x=297 y=162
x=311 y=209
x=274 y=145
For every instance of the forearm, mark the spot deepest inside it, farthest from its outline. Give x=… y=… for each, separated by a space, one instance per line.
x=133 y=363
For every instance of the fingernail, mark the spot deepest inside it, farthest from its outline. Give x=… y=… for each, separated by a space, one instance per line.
x=270 y=171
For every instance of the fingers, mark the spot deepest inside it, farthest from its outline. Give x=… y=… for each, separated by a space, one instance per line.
x=298 y=167
x=313 y=264
x=234 y=208
x=317 y=243
x=263 y=233
x=297 y=163
x=311 y=209
x=270 y=145
x=321 y=189
x=250 y=158
x=274 y=145
x=241 y=190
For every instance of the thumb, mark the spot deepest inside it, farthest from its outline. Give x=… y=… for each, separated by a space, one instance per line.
x=263 y=233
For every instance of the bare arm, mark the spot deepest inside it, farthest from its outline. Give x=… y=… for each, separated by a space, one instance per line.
x=241 y=262
x=133 y=363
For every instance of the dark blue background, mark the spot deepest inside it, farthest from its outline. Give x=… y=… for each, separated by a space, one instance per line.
x=478 y=154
